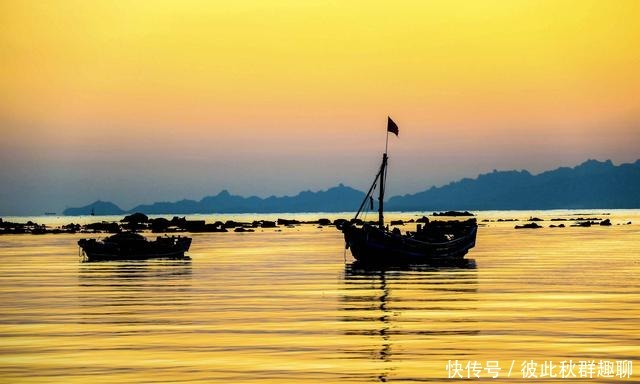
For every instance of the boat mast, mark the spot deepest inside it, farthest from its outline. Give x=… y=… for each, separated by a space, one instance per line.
x=383 y=180
x=382 y=175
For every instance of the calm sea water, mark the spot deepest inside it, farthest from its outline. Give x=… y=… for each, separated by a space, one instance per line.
x=289 y=306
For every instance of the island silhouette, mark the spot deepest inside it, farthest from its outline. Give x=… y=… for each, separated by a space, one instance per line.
x=592 y=184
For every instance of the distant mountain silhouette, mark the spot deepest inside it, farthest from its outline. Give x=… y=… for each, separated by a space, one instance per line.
x=97 y=207
x=336 y=199
x=592 y=184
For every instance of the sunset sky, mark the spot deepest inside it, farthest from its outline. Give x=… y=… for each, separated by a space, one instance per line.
x=140 y=101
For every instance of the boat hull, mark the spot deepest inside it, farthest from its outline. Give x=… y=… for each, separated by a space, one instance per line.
x=172 y=247
x=373 y=245
x=90 y=256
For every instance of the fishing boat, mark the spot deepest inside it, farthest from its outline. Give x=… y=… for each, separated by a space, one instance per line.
x=433 y=242
x=132 y=246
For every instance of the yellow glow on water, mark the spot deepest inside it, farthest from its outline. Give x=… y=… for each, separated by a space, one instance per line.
x=282 y=307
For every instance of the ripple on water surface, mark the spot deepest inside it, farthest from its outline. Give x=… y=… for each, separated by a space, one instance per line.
x=283 y=306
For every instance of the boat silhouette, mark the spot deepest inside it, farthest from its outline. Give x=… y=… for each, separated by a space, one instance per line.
x=132 y=246
x=434 y=243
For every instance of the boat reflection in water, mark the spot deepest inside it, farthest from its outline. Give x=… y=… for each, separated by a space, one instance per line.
x=402 y=314
x=138 y=272
x=144 y=293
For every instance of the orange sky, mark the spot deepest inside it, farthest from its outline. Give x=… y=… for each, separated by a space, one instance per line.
x=261 y=97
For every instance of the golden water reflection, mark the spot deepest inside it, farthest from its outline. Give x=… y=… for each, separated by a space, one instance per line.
x=388 y=305
x=285 y=307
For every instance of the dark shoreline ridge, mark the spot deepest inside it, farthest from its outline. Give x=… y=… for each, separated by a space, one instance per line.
x=592 y=184
x=139 y=222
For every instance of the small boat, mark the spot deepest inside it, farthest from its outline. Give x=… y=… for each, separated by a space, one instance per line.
x=434 y=243
x=132 y=246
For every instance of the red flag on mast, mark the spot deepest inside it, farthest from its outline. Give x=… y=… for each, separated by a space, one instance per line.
x=392 y=126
